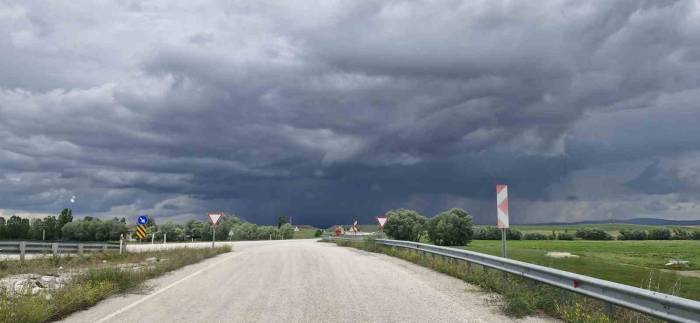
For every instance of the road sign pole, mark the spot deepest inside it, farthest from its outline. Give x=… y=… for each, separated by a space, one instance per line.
x=213 y=235
x=503 y=239
x=502 y=214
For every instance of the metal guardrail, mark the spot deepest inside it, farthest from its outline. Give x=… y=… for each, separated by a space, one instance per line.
x=660 y=305
x=24 y=247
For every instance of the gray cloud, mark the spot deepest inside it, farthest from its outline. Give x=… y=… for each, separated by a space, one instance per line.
x=332 y=111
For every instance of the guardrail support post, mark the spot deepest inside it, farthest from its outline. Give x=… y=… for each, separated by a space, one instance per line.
x=469 y=267
x=22 y=250
x=54 y=248
x=609 y=310
x=104 y=247
x=80 y=248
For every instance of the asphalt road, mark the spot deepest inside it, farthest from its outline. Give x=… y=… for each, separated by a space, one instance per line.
x=300 y=281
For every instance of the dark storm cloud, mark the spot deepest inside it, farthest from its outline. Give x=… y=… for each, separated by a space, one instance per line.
x=332 y=111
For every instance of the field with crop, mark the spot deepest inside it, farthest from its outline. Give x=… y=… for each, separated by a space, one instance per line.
x=635 y=263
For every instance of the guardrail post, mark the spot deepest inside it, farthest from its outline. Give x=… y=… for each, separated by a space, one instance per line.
x=469 y=267
x=104 y=247
x=80 y=248
x=22 y=249
x=54 y=248
x=609 y=310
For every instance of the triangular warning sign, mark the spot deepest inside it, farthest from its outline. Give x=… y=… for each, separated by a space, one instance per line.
x=382 y=221
x=215 y=218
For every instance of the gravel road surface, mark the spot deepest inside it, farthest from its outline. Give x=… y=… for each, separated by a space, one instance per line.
x=301 y=281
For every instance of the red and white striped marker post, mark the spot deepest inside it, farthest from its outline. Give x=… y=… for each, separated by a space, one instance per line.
x=502 y=207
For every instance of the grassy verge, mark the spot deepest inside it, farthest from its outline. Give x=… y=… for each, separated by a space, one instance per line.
x=520 y=297
x=635 y=263
x=94 y=284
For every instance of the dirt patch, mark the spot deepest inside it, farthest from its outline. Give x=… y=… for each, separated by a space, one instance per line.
x=685 y=273
x=552 y=254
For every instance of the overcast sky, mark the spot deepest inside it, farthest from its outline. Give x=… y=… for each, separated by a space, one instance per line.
x=332 y=110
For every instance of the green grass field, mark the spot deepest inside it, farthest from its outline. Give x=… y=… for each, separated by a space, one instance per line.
x=612 y=228
x=635 y=263
x=305 y=232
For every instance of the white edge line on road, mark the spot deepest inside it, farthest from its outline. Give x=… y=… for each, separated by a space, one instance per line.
x=162 y=290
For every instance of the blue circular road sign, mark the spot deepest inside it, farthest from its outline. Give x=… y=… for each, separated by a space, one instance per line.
x=143 y=219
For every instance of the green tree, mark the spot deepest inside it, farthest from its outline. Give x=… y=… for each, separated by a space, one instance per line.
x=245 y=231
x=281 y=220
x=173 y=232
x=16 y=228
x=269 y=232
x=403 y=224
x=451 y=228
x=287 y=231
x=3 y=230
x=50 y=224
x=65 y=217
x=494 y=233
x=659 y=234
x=115 y=229
x=36 y=229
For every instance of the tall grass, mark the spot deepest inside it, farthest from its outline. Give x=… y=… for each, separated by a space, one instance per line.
x=94 y=285
x=520 y=297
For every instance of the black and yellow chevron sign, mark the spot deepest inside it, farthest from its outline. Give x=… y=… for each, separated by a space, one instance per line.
x=141 y=231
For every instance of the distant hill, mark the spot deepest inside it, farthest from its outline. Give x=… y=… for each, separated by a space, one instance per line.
x=641 y=221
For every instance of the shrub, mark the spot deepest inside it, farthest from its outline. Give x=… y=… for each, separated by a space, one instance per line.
x=680 y=234
x=268 y=232
x=593 y=234
x=695 y=235
x=632 y=235
x=534 y=236
x=245 y=231
x=565 y=236
x=494 y=233
x=404 y=224
x=513 y=234
x=451 y=228
x=487 y=233
x=318 y=233
x=287 y=231
x=659 y=234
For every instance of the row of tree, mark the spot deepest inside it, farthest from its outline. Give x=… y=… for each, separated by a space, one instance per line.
x=454 y=228
x=659 y=234
x=449 y=228
x=52 y=228
x=48 y=228
x=230 y=228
